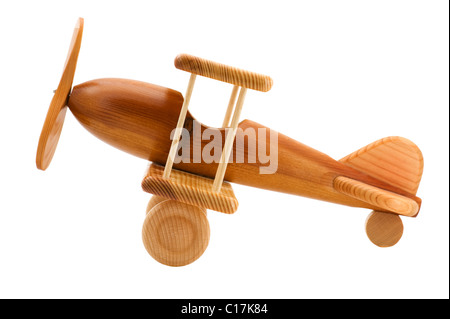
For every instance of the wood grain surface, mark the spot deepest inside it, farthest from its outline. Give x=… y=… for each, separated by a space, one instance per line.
x=178 y=129
x=189 y=189
x=388 y=201
x=154 y=200
x=175 y=234
x=138 y=118
x=51 y=131
x=229 y=139
x=384 y=229
x=222 y=72
x=394 y=160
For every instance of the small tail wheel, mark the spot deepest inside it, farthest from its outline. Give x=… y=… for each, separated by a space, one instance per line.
x=384 y=229
x=174 y=233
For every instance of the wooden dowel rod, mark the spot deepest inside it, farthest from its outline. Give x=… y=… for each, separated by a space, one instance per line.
x=180 y=123
x=220 y=174
x=226 y=120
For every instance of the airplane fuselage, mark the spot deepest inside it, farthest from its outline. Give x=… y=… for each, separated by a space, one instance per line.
x=138 y=118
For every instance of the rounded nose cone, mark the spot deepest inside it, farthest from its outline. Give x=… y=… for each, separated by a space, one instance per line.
x=133 y=116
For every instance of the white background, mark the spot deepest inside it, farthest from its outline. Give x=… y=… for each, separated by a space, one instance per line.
x=346 y=73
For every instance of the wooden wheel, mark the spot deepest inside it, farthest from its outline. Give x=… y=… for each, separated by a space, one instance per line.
x=154 y=200
x=174 y=233
x=384 y=229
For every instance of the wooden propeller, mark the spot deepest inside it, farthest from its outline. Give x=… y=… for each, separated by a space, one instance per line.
x=56 y=114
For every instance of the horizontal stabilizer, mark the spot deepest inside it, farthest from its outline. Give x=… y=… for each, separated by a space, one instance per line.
x=383 y=199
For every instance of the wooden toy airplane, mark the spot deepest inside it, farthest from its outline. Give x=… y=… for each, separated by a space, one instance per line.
x=139 y=118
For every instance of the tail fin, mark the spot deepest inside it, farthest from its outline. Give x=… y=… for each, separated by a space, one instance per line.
x=394 y=160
